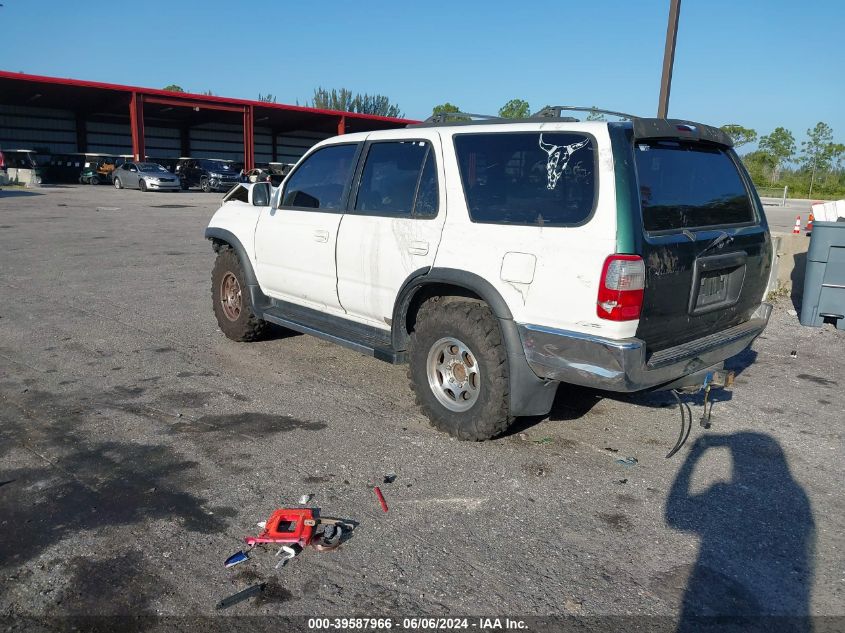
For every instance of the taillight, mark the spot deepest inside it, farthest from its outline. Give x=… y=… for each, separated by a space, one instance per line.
x=2 y=161
x=621 y=288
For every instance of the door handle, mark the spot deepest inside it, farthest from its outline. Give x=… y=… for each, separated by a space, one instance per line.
x=418 y=248
x=321 y=236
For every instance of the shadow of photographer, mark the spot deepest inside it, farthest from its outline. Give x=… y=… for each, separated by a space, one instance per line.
x=757 y=534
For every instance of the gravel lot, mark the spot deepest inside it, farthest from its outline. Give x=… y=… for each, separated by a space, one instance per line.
x=138 y=447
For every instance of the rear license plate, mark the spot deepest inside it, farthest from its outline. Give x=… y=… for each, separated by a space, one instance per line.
x=713 y=289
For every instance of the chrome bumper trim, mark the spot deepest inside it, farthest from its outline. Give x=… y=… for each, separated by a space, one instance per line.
x=622 y=364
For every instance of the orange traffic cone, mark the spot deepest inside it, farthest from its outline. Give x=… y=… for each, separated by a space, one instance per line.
x=797 y=229
x=809 y=228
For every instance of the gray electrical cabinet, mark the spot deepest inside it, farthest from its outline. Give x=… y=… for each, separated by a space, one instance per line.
x=824 y=280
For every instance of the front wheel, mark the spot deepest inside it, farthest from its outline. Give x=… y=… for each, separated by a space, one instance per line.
x=459 y=370
x=142 y=185
x=232 y=306
x=93 y=180
x=118 y=184
x=205 y=185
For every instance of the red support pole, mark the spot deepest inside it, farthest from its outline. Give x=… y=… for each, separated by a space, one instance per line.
x=249 y=139
x=341 y=126
x=136 y=122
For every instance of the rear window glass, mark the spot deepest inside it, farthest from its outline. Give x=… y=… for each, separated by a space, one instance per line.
x=545 y=179
x=689 y=186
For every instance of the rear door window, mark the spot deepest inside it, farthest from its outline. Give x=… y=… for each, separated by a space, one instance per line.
x=319 y=182
x=528 y=178
x=687 y=186
x=390 y=178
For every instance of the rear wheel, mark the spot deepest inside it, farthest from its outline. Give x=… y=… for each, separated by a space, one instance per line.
x=205 y=185
x=118 y=184
x=459 y=371
x=93 y=180
x=232 y=306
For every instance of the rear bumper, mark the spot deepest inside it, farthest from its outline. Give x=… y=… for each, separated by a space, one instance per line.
x=622 y=364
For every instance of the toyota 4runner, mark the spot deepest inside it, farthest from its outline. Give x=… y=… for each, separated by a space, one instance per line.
x=499 y=258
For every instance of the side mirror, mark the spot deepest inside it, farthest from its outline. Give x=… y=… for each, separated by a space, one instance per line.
x=260 y=196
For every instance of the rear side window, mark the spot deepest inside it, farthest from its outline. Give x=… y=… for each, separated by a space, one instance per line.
x=529 y=178
x=318 y=183
x=393 y=174
x=686 y=186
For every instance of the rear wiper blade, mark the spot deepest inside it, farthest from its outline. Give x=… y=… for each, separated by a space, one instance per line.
x=723 y=237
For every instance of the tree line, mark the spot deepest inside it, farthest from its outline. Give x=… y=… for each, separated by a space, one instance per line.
x=814 y=170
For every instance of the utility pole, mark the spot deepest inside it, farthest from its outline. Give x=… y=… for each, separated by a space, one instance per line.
x=668 y=58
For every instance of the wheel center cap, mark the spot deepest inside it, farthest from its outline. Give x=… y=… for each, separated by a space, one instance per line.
x=459 y=372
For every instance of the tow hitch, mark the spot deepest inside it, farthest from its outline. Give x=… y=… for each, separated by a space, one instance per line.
x=716 y=379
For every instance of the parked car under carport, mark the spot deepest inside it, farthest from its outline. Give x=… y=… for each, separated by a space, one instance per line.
x=146 y=177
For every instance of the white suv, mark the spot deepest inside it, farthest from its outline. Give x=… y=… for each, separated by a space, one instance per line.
x=499 y=258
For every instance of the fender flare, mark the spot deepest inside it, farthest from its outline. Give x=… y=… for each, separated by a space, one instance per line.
x=529 y=394
x=452 y=276
x=257 y=297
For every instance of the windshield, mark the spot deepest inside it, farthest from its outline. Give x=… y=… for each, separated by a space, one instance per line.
x=216 y=165
x=151 y=167
x=685 y=186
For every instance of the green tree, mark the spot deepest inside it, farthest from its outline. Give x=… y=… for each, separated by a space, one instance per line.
x=345 y=101
x=596 y=116
x=740 y=135
x=515 y=109
x=780 y=145
x=446 y=109
x=819 y=153
x=760 y=166
x=268 y=98
x=173 y=88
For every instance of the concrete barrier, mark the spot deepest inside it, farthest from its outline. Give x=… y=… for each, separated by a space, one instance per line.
x=790 y=263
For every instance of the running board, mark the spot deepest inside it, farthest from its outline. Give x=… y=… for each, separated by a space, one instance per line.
x=365 y=339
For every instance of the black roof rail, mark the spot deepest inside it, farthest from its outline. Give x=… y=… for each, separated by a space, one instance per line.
x=450 y=118
x=555 y=112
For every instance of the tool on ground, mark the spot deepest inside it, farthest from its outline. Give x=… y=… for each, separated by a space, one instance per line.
x=290 y=553
x=305 y=499
x=389 y=478
x=381 y=498
x=236 y=559
x=246 y=594
x=297 y=527
x=327 y=537
x=286 y=525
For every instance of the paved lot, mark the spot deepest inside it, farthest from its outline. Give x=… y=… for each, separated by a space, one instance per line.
x=138 y=446
x=782 y=217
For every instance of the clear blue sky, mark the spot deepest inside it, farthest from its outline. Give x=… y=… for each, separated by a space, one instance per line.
x=753 y=63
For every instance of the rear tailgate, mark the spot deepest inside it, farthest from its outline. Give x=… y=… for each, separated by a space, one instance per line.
x=705 y=241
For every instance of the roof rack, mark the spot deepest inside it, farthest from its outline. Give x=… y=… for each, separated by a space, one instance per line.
x=555 y=112
x=444 y=118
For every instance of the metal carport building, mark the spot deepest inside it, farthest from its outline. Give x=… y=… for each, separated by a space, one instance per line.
x=58 y=116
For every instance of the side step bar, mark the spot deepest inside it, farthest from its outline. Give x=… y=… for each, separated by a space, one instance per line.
x=364 y=339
